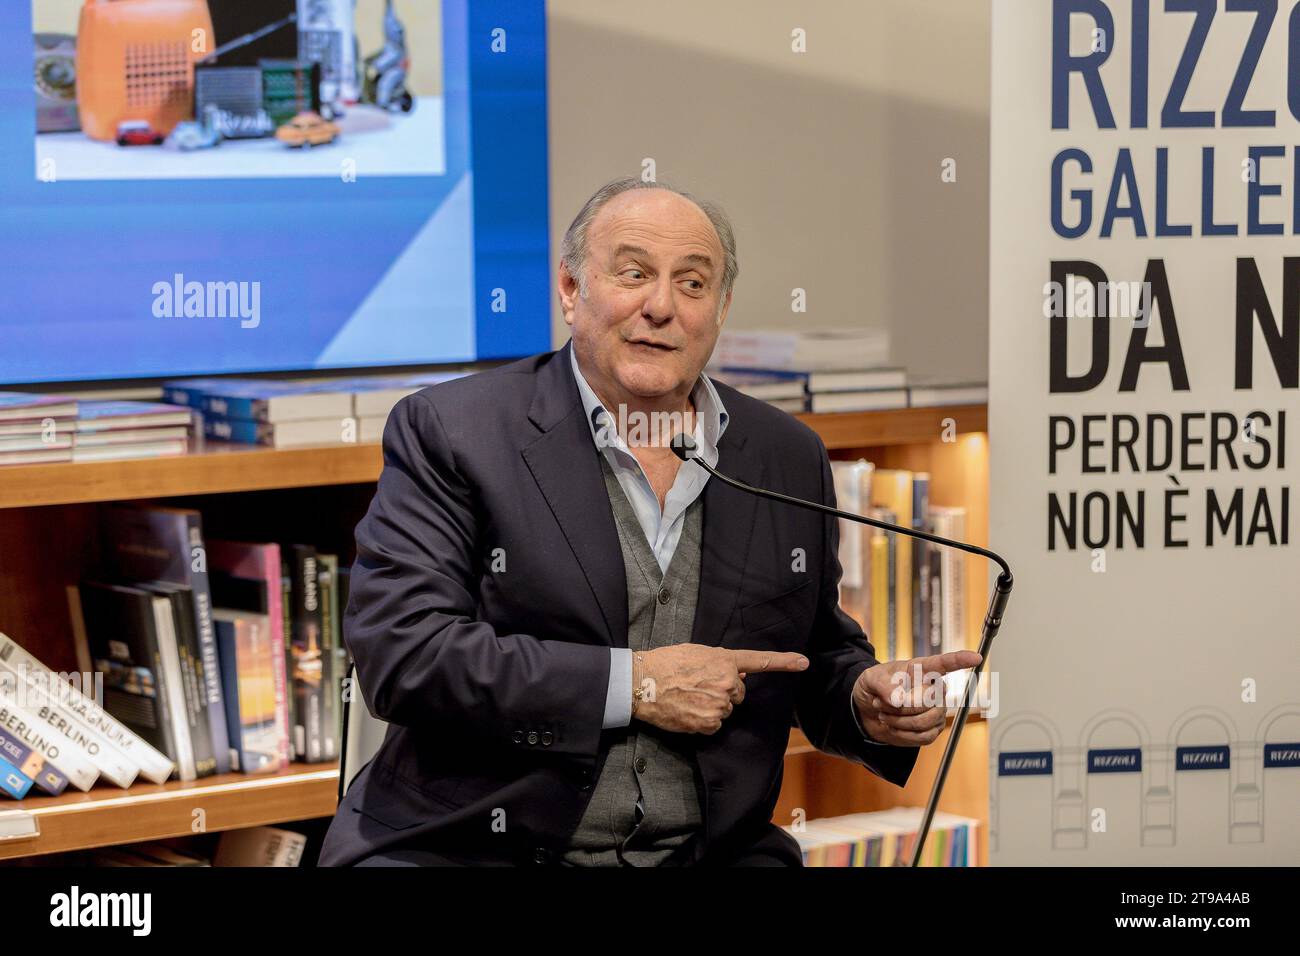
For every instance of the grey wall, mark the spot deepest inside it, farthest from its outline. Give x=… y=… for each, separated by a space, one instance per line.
x=828 y=161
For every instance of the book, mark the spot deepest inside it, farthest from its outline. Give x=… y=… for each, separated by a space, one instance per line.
x=305 y=654
x=926 y=394
x=260 y=846
x=764 y=384
x=29 y=406
x=275 y=402
x=139 y=449
x=13 y=781
x=132 y=641
x=331 y=713
x=920 y=566
x=882 y=639
x=951 y=523
x=130 y=436
x=189 y=392
x=45 y=776
x=859 y=401
x=802 y=349
x=102 y=416
x=243 y=560
x=166 y=544
x=34 y=457
x=193 y=678
x=291 y=434
x=852 y=481
x=248 y=679
x=892 y=488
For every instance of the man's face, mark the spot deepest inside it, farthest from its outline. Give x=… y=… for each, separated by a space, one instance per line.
x=654 y=278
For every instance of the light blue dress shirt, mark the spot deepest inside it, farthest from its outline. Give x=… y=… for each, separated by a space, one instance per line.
x=663 y=528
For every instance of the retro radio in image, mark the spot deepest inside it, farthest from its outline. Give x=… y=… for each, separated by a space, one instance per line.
x=135 y=62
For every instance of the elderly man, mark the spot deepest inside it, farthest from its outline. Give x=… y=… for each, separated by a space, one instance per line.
x=589 y=653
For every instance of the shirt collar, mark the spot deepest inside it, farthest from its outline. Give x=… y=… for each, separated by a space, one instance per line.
x=710 y=415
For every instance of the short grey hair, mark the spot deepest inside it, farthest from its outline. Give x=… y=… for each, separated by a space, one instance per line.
x=573 y=249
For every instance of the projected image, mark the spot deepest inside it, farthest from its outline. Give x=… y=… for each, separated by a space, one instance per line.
x=215 y=89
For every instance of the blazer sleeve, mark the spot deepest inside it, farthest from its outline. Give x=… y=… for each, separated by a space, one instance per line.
x=422 y=657
x=838 y=652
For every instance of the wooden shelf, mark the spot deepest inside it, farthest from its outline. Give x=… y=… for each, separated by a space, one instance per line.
x=221 y=468
x=108 y=815
x=231 y=468
x=904 y=426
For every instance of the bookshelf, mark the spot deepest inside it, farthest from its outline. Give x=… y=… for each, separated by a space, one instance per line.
x=48 y=539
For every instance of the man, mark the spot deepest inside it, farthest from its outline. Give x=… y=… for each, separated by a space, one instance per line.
x=589 y=653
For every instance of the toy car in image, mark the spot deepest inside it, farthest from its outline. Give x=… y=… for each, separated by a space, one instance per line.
x=190 y=135
x=137 y=133
x=307 y=129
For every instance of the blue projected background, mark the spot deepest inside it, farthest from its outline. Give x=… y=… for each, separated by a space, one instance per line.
x=383 y=267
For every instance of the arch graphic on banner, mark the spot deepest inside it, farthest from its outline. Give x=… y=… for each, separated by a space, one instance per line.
x=1045 y=727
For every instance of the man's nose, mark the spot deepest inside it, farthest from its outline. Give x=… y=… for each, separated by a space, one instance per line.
x=659 y=305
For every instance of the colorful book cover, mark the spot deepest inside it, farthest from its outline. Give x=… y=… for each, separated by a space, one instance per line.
x=263 y=563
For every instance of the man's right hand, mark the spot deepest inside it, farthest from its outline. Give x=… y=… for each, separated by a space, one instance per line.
x=692 y=688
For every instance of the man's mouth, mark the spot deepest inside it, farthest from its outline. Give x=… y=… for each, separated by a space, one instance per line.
x=646 y=343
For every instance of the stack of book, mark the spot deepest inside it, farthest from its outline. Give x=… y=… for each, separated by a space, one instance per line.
x=887 y=838
x=831 y=370
x=908 y=594
x=36 y=429
x=291 y=414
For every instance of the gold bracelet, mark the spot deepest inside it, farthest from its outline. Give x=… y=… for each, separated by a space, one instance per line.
x=637 y=692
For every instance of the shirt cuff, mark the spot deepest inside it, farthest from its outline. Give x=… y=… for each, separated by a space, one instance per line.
x=858 y=724
x=618 y=695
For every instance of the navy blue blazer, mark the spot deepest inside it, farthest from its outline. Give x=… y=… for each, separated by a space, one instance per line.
x=489 y=587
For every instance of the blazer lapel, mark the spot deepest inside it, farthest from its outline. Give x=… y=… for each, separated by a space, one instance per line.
x=563 y=462
x=725 y=539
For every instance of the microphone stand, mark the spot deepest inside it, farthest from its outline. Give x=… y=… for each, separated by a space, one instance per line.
x=684 y=447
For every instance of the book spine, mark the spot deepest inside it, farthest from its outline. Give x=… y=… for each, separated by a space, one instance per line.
x=44 y=774
x=935 y=558
x=880 y=595
x=196 y=710
x=279 y=640
x=307 y=651
x=296 y=748
x=330 y=725
x=237 y=430
x=233 y=407
x=171 y=690
x=920 y=565
x=19 y=722
x=153 y=764
x=199 y=584
x=13 y=781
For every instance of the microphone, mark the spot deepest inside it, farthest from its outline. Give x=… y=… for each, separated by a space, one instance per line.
x=684 y=447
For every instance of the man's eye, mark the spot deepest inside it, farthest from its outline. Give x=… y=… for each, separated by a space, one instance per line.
x=633 y=273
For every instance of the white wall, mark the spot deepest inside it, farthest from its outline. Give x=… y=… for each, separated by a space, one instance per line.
x=828 y=161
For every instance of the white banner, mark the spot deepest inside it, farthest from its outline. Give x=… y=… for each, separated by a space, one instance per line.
x=1144 y=341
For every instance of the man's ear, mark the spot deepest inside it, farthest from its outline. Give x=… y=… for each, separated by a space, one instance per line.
x=567 y=284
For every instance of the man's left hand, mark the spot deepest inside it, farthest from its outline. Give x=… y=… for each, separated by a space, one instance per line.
x=902 y=702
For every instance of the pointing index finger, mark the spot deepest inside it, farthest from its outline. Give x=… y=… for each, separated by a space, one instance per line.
x=759 y=662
